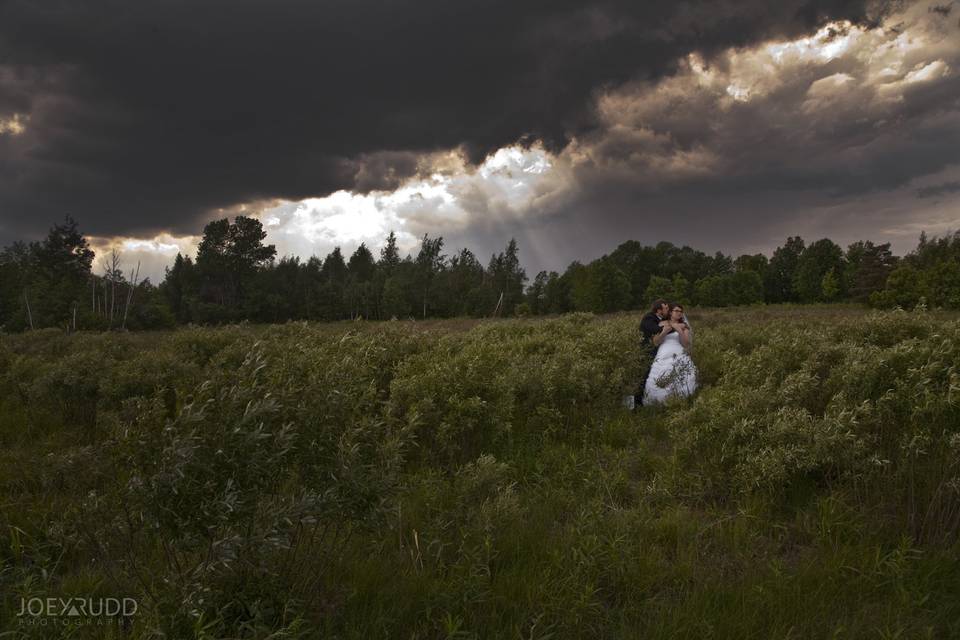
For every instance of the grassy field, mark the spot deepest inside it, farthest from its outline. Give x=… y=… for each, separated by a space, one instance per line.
x=470 y=479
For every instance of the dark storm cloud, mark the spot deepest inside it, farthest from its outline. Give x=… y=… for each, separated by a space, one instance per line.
x=874 y=117
x=738 y=152
x=939 y=189
x=148 y=116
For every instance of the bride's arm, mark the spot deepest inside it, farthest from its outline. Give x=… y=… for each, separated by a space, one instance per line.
x=685 y=337
x=664 y=330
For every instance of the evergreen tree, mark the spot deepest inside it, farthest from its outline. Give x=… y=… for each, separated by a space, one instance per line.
x=578 y=277
x=609 y=287
x=213 y=267
x=639 y=263
x=389 y=254
x=16 y=269
x=930 y=252
x=59 y=278
x=331 y=286
x=65 y=253
x=278 y=292
x=361 y=265
x=359 y=291
x=536 y=294
x=464 y=285
x=386 y=266
x=556 y=294
x=930 y=273
x=179 y=286
x=314 y=302
x=721 y=264
x=401 y=290
x=507 y=277
x=867 y=268
x=781 y=273
x=429 y=263
x=815 y=262
x=334 y=268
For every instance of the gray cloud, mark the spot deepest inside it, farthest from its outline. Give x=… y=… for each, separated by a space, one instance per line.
x=832 y=136
x=151 y=117
x=840 y=126
x=939 y=189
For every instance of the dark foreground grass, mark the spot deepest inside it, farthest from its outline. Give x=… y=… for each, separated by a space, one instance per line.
x=466 y=480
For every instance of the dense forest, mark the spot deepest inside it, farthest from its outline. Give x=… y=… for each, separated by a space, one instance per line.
x=236 y=277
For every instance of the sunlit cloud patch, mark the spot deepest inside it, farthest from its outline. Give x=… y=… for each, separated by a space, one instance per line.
x=13 y=125
x=153 y=254
x=448 y=198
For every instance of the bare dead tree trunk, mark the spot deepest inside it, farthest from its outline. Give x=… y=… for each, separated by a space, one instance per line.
x=496 y=310
x=111 y=273
x=74 y=316
x=29 y=313
x=133 y=286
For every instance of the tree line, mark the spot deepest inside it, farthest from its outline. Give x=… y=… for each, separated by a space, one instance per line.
x=236 y=277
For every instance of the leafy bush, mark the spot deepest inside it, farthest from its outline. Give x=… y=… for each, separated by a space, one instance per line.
x=483 y=480
x=867 y=401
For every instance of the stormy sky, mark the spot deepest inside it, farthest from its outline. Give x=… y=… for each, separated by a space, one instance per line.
x=726 y=125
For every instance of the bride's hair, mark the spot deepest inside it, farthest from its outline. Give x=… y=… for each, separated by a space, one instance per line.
x=677 y=305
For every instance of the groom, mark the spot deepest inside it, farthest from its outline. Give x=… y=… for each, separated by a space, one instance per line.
x=649 y=327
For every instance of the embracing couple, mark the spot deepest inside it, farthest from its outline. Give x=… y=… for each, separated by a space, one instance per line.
x=667 y=337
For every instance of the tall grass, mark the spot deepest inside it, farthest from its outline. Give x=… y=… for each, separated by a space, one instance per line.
x=482 y=480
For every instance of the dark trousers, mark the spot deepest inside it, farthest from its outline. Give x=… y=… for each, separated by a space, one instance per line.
x=648 y=354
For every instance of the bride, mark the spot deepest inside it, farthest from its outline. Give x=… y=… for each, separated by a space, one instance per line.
x=672 y=372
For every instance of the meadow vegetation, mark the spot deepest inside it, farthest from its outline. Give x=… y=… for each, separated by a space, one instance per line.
x=467 y=479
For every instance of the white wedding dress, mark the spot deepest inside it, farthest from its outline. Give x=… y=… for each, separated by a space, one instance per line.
x=672 y=374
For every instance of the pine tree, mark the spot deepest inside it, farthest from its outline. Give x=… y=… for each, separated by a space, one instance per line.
x=781 y=274
x=61 y=279
x=429 y=263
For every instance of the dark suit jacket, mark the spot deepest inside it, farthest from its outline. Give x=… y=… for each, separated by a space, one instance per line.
x=649 y=327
